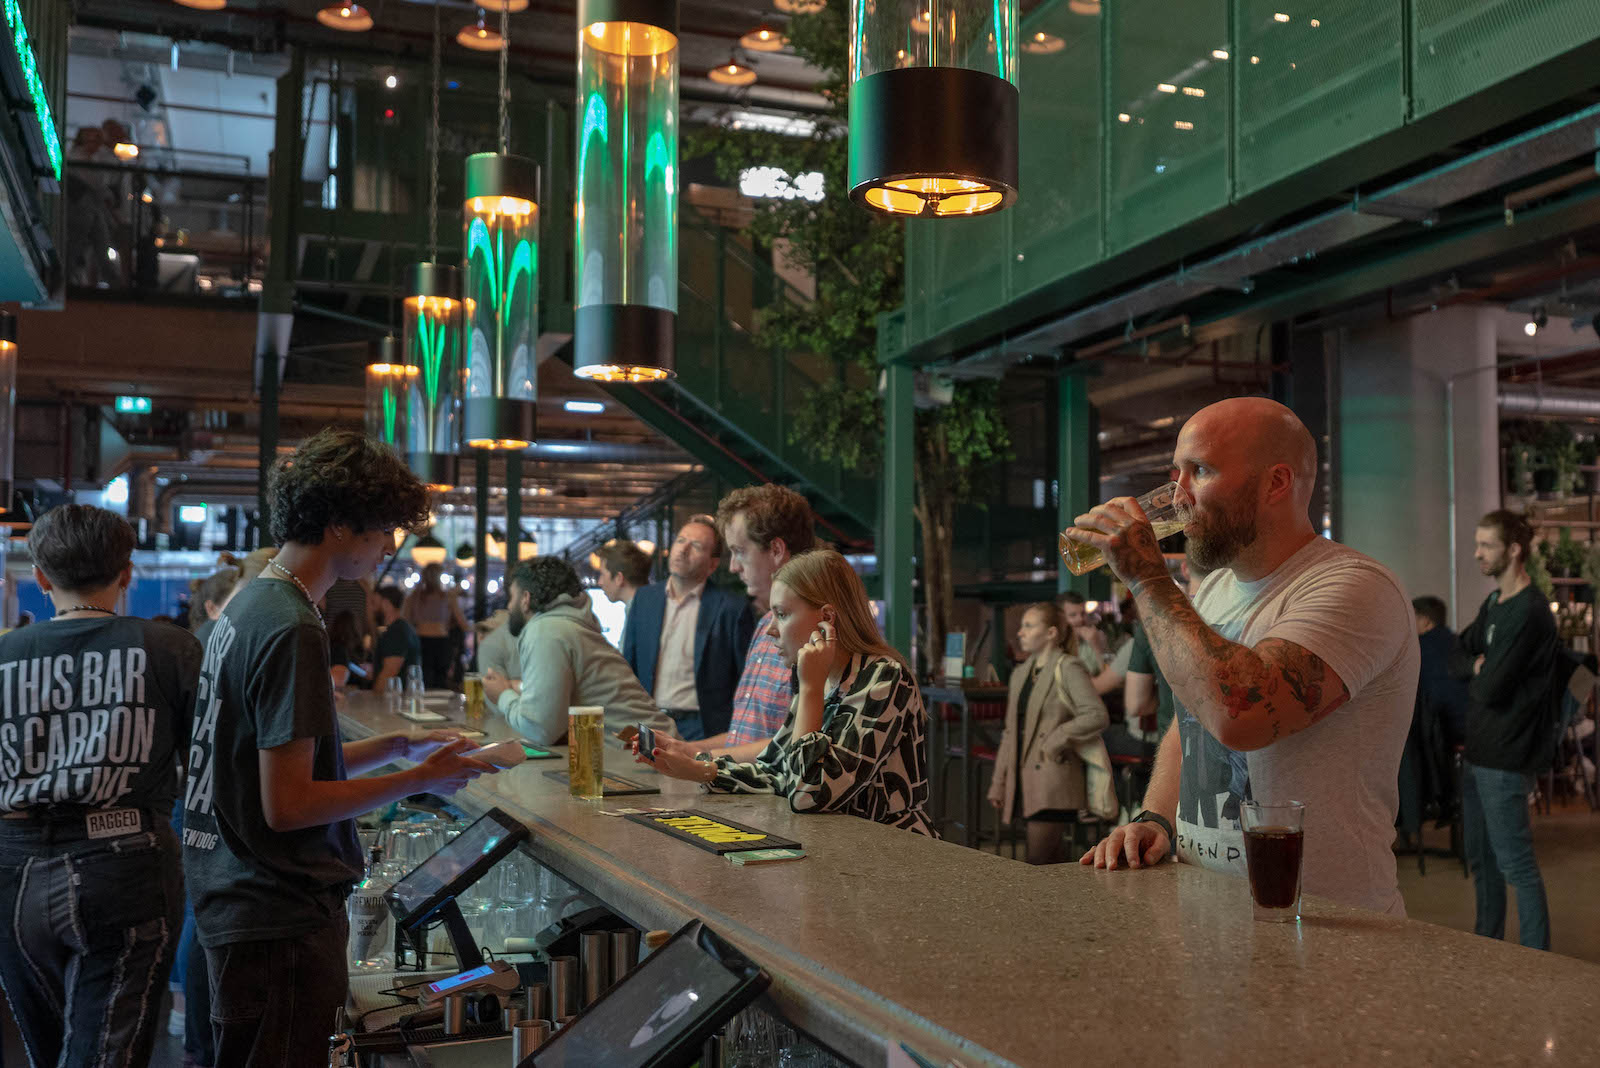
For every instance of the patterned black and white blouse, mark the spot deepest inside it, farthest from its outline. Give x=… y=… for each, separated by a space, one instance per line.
x=868 y=760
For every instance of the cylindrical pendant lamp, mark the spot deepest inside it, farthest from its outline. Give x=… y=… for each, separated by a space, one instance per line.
x=388 y=394
x=428 y=550
x=8 y=407
x=933 y=106
x=432 y=334
x=501 y=274
x=626 y=243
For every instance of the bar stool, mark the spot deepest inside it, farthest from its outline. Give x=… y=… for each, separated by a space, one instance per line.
x=946 y=706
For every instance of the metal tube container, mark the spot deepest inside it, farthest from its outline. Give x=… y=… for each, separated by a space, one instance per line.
x=624 y=953
x=626 y=239
x=455 y=1013
x=526 y=1037
x=594 y=961
x=536 y=1004
x=563 y=987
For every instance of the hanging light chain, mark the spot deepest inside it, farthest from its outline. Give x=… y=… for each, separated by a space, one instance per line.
x=433 y=150
x=505 y=89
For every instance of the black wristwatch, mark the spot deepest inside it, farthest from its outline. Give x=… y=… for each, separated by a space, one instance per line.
x=1160 y=821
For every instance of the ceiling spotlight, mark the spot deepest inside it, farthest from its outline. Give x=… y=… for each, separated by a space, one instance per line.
x=763 y=39
x=479 y=37
x=351 y=18
x=391 y=82
x=732 y=73
x=584 y=407
x=1537 y=322
x=1530 y=328
x=125 y=151
x=1040 y=43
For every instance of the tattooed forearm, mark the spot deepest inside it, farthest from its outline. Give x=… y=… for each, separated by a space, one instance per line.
x=1247 y=698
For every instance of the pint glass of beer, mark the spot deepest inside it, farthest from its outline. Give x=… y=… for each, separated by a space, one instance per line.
x=1161 y=506
x=586 y=751
x=1274 y=844
x=472 y=685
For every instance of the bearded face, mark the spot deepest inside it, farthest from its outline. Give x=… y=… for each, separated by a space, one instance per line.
x=516 y=619
x=1219 y=532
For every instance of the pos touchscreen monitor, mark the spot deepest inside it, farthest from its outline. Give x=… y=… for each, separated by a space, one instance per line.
x=660 y=1014
x=431 y=889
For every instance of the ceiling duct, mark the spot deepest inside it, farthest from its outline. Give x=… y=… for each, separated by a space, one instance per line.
x=1549 y=402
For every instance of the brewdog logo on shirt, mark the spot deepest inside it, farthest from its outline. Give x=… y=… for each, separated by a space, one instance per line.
x=74 y=727
x=199 y=793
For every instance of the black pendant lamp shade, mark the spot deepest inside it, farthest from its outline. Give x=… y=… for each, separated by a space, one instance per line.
x=500 y=215
x=933 y=107
x=626 y=246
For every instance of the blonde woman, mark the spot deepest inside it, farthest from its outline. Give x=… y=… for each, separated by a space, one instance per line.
x=1038 y=775
x=855 y=740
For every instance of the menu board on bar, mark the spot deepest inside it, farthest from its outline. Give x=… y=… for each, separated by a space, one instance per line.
x=716 y=834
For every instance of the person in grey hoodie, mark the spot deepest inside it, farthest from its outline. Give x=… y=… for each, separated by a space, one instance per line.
x=566 y=659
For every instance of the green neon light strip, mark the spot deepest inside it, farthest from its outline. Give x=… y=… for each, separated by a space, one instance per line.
x=30 y=74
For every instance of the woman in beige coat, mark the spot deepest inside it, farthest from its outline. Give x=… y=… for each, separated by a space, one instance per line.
x=1038 y=775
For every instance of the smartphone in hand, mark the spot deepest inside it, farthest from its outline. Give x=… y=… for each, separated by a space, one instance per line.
x=647 y=743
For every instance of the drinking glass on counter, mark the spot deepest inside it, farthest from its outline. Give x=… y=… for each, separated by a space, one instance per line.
x=472 y=685
x=1274 y=844
x=393 y=691
x=586 y=751
x=1162 y=506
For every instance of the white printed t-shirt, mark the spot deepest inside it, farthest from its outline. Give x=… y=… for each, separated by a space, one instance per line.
x=1350 y=611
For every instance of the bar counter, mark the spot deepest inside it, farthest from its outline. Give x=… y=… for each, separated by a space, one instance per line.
x=881 y=937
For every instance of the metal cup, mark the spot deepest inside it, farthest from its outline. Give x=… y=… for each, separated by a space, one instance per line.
x=526 y=1037
x=536 y=1004
x=594 y=958
x=563 y=987
x=455 y=1013
x=511 y=1015
x=624 y=953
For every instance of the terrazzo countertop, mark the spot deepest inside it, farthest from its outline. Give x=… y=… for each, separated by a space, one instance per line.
x=880 y=937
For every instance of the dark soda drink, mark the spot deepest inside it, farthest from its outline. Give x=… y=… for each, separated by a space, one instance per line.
x=1273 y=857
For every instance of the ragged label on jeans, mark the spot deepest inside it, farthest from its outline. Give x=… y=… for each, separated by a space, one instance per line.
x=114 y=822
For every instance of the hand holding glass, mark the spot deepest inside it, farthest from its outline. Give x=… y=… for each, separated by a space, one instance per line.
x=1161 y=507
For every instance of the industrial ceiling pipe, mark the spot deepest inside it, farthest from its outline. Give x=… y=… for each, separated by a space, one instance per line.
x=1550 y=402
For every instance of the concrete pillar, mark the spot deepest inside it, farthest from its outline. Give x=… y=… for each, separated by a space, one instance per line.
x=1411 y=393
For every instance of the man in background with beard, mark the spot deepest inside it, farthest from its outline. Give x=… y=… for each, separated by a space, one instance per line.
x=1293 y=672
x=1511 y=651
x=566 y=659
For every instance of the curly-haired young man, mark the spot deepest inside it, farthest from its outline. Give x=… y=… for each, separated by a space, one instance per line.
x=269 y=843
x=566 y=659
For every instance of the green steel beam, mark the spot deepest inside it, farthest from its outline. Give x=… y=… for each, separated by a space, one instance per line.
x=283 y=192
x=1517 y=97
x=896 y=552
x=1077 y=455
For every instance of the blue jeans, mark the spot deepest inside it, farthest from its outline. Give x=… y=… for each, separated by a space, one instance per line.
x=1499 y=845
x=273 y=1003
x=189 y=975
x=88 y=929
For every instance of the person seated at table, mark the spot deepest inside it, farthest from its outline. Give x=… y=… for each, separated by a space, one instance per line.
x=855 y=740
x=1038 y=774
x=566 y=660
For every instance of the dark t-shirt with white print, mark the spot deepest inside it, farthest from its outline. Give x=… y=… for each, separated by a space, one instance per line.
x=263 y=683
x=93 y=711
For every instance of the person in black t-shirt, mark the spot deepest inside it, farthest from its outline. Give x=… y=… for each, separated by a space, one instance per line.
x=399 y=649
x=1511 y=648
x=269 y=843
x=94 y=708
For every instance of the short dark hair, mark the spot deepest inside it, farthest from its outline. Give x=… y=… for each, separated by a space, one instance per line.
x=710 y=522
x=770 y=511
x=1430 y=608
x=619 y=555
x=343 y=476
x=1073 y=597
x=545 y=578
x=1513 y=529
x=80 y=547
x=391 y=594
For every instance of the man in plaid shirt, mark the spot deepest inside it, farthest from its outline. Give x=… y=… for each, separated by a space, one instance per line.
x=763 y=527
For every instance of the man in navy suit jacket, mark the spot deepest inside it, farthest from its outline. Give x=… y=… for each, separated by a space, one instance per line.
x=686 y=640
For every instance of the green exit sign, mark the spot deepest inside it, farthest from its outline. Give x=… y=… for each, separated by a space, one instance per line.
x=133 y=405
